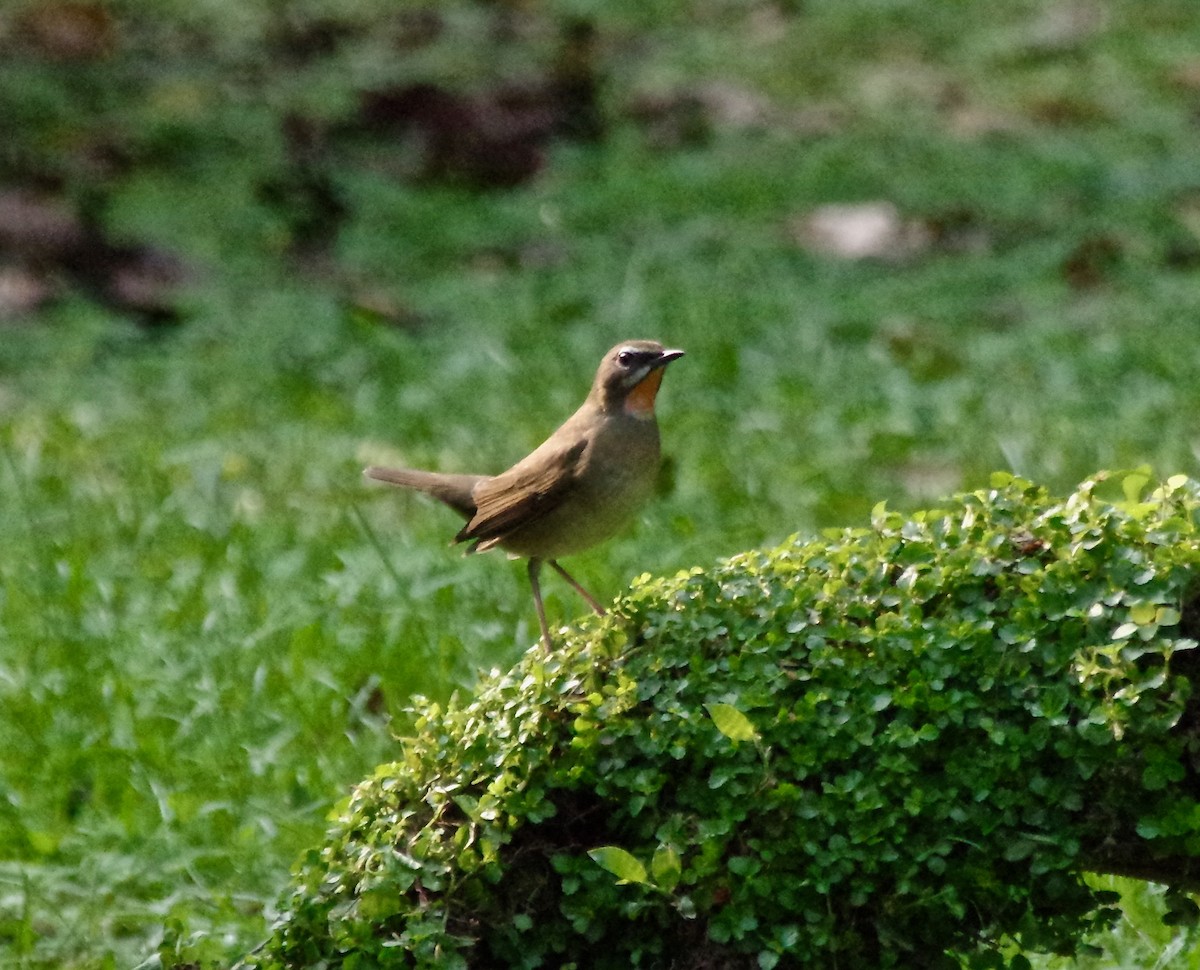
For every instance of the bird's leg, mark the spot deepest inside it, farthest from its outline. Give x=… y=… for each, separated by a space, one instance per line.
x=591 y=600
x=535 y=566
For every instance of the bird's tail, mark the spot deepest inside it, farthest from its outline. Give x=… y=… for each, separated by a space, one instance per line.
x=454 y=490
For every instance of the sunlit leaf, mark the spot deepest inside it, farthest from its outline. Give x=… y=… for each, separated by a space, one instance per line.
x=665 y=867
x=1132 y=485
x=731 y=722
x=1142 y=613
x=620 y=863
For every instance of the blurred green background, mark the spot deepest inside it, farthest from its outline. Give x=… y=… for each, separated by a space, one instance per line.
x=248 y=248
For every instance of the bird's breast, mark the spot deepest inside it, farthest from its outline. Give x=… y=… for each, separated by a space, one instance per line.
x=617 y=475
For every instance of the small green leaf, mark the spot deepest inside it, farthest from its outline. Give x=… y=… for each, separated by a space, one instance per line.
x=1018 y=849
x=1143 y=613
x=1167 y=616
x=614 y=859
x=665 y=867
x=1132 y=485
x=731 y=722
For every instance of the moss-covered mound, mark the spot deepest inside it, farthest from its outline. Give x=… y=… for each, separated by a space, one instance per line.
x=878 y=748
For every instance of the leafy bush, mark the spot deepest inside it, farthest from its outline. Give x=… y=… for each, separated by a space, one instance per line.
x=894 y=746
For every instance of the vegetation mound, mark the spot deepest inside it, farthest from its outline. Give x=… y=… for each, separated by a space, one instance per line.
x=896 y=746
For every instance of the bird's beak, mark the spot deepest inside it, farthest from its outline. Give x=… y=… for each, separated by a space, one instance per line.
x=666 y=357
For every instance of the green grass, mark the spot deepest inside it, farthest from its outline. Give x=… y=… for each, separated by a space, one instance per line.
x=210 y=626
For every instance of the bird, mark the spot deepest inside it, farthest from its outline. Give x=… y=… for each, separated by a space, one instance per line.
x=578 y=488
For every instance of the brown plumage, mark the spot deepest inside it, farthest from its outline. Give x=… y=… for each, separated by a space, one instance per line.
x=579 y=487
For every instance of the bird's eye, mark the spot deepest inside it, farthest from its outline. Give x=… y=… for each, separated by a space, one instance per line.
x=625 y=358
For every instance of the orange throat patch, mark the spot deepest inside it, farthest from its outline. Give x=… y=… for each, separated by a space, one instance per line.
x=640 y=401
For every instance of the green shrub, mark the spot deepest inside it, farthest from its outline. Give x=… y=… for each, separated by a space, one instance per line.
x=894 y=746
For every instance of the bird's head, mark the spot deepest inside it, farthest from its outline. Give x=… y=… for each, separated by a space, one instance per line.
x=629 y=376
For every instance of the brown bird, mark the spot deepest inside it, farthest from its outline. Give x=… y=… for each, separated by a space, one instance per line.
x=579 y=487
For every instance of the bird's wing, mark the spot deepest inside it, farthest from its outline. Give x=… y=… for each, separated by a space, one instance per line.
x=524 y=493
